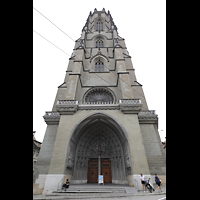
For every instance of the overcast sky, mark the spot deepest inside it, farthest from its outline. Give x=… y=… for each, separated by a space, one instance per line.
x=142 y=23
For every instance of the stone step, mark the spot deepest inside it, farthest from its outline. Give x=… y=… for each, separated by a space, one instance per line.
x=95 y=190
x=84 y=195
x=92 y=190
x=82 y=191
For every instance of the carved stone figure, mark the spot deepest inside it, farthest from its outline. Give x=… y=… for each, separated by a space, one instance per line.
x=70 y=163
x=78 y=164
x=127 y=162
x=82 y=162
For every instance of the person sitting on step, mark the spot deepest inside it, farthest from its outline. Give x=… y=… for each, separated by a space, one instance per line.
x=66 y=185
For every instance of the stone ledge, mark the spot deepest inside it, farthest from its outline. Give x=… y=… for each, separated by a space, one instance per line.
x=79 y=191
x=99 y=107
x=127 y=106
x=67 y=107
x=51 y=117
x=130 y=106
x=148 y=116
x=66 y=110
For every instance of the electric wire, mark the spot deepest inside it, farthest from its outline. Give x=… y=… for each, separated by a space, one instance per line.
x=68 y=55
x=51 y=43
x=86 y=68
x=85 y=50
x=54 y=24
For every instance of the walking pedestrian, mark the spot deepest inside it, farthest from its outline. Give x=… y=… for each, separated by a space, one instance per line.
x=158 y=182
x=143 y=183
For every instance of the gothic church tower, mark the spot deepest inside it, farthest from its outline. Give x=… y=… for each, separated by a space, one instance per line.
x=100 y=122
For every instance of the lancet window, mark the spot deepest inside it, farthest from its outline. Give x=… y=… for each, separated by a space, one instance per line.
x=99 y=26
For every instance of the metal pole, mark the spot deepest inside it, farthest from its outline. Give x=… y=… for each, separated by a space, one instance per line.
x=99 y=167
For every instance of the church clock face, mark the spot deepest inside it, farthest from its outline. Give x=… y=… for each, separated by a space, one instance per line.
x=99 y=95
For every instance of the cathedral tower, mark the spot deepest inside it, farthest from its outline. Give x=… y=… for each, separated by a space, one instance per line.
x=100 y=122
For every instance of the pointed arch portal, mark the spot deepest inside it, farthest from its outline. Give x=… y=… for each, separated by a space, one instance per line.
x=99 y=134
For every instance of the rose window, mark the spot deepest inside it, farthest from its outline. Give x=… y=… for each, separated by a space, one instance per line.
x=99 y=95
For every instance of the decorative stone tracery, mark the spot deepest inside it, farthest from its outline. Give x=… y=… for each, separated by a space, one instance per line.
x=99 y=95
x=101 y=137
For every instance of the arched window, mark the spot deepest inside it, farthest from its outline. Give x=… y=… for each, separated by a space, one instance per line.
x=97 y=26
x=99 y=95
x=99 y=66
x=99 y=43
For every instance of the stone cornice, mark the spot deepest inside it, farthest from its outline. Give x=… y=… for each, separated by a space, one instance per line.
x=130 y=106
x=148 y=116
x=127 y=106
x=144 y=116
x=67 y=107
x=99 y=107
x=51 y=117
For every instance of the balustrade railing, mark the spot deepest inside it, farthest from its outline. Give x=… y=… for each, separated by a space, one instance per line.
x=98 y=102
x=147 y=112
x=121 y=101
x=104 y=104
x=129 y=101
x=52 y=113
x=67 y=102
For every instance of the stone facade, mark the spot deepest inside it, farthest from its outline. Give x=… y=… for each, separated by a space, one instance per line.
x=99 y=112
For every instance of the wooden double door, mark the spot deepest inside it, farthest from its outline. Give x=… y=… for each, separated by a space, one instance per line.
x=105 y=171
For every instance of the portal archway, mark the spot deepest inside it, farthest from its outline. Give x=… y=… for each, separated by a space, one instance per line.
x=99 y=132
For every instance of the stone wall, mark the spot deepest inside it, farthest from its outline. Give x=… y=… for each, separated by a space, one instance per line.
x=153 y=148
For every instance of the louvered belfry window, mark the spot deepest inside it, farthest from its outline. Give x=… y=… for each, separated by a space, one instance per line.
x=99 y=66
x=99 y=26
x=99 y=43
